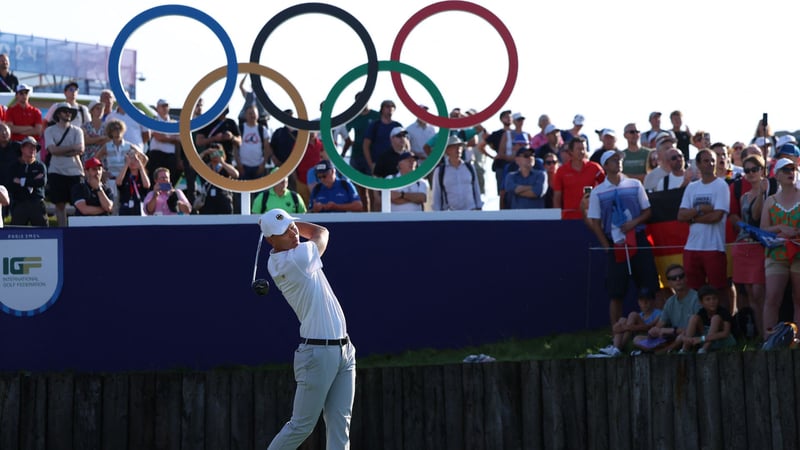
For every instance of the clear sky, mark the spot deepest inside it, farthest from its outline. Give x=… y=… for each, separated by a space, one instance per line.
x=722 y=63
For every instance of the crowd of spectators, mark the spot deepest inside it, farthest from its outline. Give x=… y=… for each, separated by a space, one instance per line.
x=99 y=156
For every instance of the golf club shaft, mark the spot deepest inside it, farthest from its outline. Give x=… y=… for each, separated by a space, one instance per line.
x=258 y=252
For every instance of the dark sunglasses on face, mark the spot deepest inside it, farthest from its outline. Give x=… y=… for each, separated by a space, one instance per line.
x=633 y=131
x=753 y=169
x=676 y=157
x=550 y=162
x=676 y=277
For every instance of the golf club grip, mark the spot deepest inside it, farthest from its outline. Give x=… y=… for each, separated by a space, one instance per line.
x=258 y=252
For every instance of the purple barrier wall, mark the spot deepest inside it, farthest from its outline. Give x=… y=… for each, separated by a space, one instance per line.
x=178 y=296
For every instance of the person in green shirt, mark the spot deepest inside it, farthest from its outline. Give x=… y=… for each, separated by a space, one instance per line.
x=279 y=196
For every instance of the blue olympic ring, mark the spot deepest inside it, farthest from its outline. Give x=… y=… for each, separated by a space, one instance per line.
x=115 y=57
x=352 y=22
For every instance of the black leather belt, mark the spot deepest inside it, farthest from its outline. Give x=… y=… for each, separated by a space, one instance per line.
x=343 y=341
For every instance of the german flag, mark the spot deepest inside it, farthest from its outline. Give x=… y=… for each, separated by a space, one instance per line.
x=666 y=234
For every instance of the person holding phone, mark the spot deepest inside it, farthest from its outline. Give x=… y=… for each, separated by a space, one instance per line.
x=218 y=200
x=164 y=199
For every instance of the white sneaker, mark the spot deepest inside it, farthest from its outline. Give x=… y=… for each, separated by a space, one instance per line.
x=609 y=350
x=614 y=351
x=701 y=350
x=598 y=355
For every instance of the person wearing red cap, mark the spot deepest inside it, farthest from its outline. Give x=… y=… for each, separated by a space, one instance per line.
x=90 y=196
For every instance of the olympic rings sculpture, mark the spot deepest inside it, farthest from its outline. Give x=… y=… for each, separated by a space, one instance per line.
x=232 y=68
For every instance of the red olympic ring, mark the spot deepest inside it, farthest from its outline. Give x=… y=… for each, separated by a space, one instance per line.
x=505 y=93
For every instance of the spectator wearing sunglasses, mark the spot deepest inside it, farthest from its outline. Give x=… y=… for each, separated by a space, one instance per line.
x=677 y=310
x=550 y=163
x=636 y=157
x=678 y=176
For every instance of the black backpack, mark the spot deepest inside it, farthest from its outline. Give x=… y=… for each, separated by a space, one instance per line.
x=295 y=197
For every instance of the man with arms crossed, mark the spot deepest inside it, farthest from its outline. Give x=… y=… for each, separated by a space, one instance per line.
x=325 y=360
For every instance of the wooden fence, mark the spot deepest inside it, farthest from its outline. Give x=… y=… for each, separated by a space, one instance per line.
x=730 y=400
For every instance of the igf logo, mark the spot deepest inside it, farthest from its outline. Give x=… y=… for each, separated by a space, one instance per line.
x=21 y=265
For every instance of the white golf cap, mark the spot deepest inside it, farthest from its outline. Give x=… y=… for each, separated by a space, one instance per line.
x=275 y=222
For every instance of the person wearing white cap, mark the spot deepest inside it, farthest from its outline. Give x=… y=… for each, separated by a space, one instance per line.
x=386 y=164
x=163 y=147
x=577 y=125
x=608 y=138
x=23 y=118
x=325 y=360
x=618 y=212
x=705 y=205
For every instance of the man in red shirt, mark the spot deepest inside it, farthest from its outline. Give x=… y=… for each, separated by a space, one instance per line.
x=23 y=118
x=572 y=177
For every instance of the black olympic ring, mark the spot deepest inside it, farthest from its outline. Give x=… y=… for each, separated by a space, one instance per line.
x=352 y=22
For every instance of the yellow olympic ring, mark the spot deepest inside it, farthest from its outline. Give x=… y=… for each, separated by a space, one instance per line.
x=230 y=184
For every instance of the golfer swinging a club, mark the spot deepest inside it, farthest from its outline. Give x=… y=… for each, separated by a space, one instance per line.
x=325 y=360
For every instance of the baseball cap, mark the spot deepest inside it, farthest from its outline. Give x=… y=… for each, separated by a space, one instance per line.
x=783 y=162
x=161 y=101
x=524 y=150
x=397 y=130
x=517 y=116
x=762 y=141
x=665 y=137
x=646 y=293
x=91 y=163
x=94 y=103
x=24 y=87
x=550 y=128
x=578 y=120
x=785 y=139
x=323 y=166
x=71 y=84
x=275 y=222
x=789 y=149
x=607 y=155
x=387 y=103
x=606 y=132
x=28 y=140
x=654 y=113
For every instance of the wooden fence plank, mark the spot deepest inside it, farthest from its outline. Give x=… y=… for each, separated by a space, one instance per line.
x=641 y=403
x=503 y=405
x=472 y=381
x=392 y=394
x=597 y=402
x=168 y=396
x=33 y=414
x=88 y=412
x=218 y=410
x=618 y=411
x=732 y=400
x=60 y=393
x=115 y=411
x=709 y=403
x=266 y=421
x=454 y=406
x=369 y=387
x=662 y=372
x=434 y=410
x=193 y=406
x=242 y=413
x=142 y=407
x=783 y=408
x=9 y=410
x=531 y=400
x=413 y=407
x=685 y=401
x=759 y=434
x=564 y=404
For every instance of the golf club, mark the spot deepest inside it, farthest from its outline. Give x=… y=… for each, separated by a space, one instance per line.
x=260 y=286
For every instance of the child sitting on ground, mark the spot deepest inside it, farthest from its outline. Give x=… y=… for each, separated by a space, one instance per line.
x=635 y=323
x=711 y=327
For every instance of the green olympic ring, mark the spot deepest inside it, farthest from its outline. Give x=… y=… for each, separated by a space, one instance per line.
x=368 y=181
